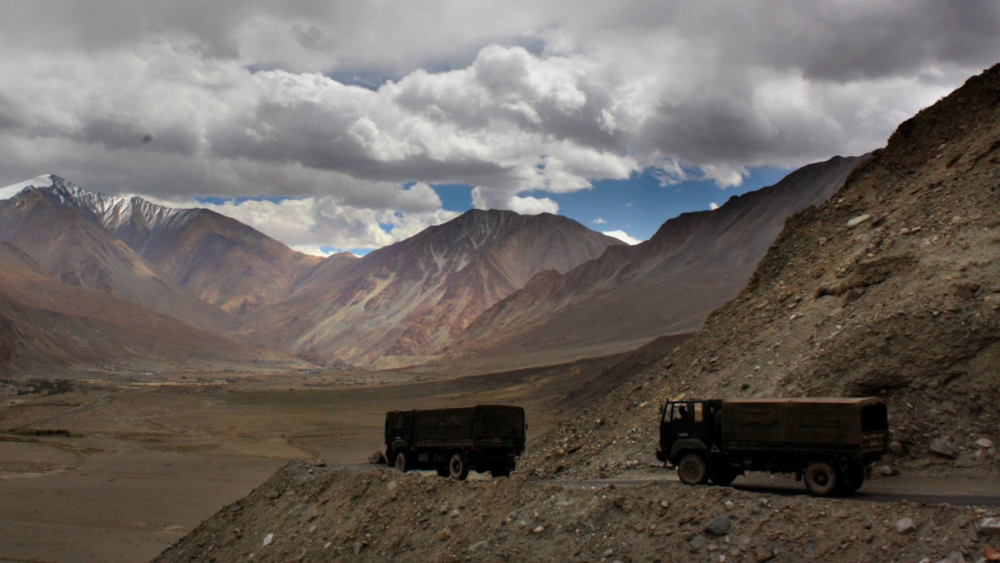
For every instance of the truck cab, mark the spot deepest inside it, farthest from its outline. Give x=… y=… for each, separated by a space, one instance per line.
x=687 y=426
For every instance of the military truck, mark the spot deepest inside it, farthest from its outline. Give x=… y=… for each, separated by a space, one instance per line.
x=453 y=441
x=829 y=443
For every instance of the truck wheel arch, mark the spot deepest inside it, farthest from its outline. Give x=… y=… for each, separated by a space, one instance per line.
x=684 y=447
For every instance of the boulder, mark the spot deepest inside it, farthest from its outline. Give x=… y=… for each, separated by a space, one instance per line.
x=896 y=447
x=990 y=526
x=944 y=448
x=984 y=443
x=719 y=526
x=377 y=457
x=906 y=526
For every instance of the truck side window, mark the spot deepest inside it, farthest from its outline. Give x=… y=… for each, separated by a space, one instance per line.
x=698 y=414
x=680 y=413
x=666 y=412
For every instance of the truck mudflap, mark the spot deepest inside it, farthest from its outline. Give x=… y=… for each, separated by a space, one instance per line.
x=661 y=455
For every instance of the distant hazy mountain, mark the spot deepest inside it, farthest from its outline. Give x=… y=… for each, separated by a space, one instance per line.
x=72 y=248
x=219 y=259
x=46 y=324
x=415 y=297
x=668 y=284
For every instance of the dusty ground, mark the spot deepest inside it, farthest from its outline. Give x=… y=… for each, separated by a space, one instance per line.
x=309 y=513
x=117 y=466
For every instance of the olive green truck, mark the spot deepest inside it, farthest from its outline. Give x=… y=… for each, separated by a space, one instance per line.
x=828 y=443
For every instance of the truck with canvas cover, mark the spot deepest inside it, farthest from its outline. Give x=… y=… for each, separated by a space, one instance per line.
x=831 y=444
x=454 y=441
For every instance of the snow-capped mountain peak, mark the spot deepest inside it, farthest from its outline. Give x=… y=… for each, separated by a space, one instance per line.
x=110 y=211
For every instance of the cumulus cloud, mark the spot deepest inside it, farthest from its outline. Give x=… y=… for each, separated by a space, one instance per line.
x=622 y=236
x=599 y=221
x=713 y=206
x=344 y=103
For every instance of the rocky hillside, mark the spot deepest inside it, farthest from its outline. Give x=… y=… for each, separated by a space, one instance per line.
x=668 y=284
x=415 y=297
x=307 y=513
x=46 y=325
x=891 y=288
x=72 y=248
x=218 y=259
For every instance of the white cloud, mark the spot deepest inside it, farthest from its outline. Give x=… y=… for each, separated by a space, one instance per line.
x=622 y=236
x=599 y=221
x=713 y=206
x=231 y=98
x=484 y=198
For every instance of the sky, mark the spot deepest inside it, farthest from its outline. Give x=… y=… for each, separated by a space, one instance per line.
x=334 y=125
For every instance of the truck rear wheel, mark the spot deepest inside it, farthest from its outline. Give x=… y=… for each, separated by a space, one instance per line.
x=693 y=470
x=821 y=479
x=402 y=462
x=457 y=466
x=854 y=479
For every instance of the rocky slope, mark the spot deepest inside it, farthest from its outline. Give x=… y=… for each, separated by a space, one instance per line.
x=414 y=297
x=668 y=284
x=306 y=513
x=220 y=260
x=75 y=250
x=891 y=288
x=47 y=325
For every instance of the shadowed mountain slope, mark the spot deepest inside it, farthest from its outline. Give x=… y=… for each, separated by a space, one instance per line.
x=47 y=324
x=71 y=248
x=890 y=288
x=668 y=284
x=414 y=297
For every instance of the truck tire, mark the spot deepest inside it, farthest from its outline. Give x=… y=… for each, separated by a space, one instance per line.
x=822 y=479
x=500 y=470
x=723 y=476
x=693 y=470
x=854 y=479
x=457 y=466
x=402 y=462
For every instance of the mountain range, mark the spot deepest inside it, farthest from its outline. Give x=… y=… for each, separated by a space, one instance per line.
x=668 y=284
x=487 y=282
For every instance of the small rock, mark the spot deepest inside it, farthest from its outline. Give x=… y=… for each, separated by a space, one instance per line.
x=268 y=539
x=954 y=557
x=857 y=220
x=944 y=448
x=664 y=504
x=984 y=443
x=896 y=447
x=965 y=461
x=321 y=463
x=445 y=534
x=609 y=552
x=377 y=457
x=697 y=543
x=991 y=554
x=357 y=547
x=764 y=553
x=990 y=526
x=729 y=505
x=538 y=530
x=905 y=526
x=719 y=526
x=887 y=471
x=477 y=546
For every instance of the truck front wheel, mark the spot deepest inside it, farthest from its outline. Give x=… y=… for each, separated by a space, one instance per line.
x=693 y=470
x=402 y=462
x=457 y=466
x=821 y=478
